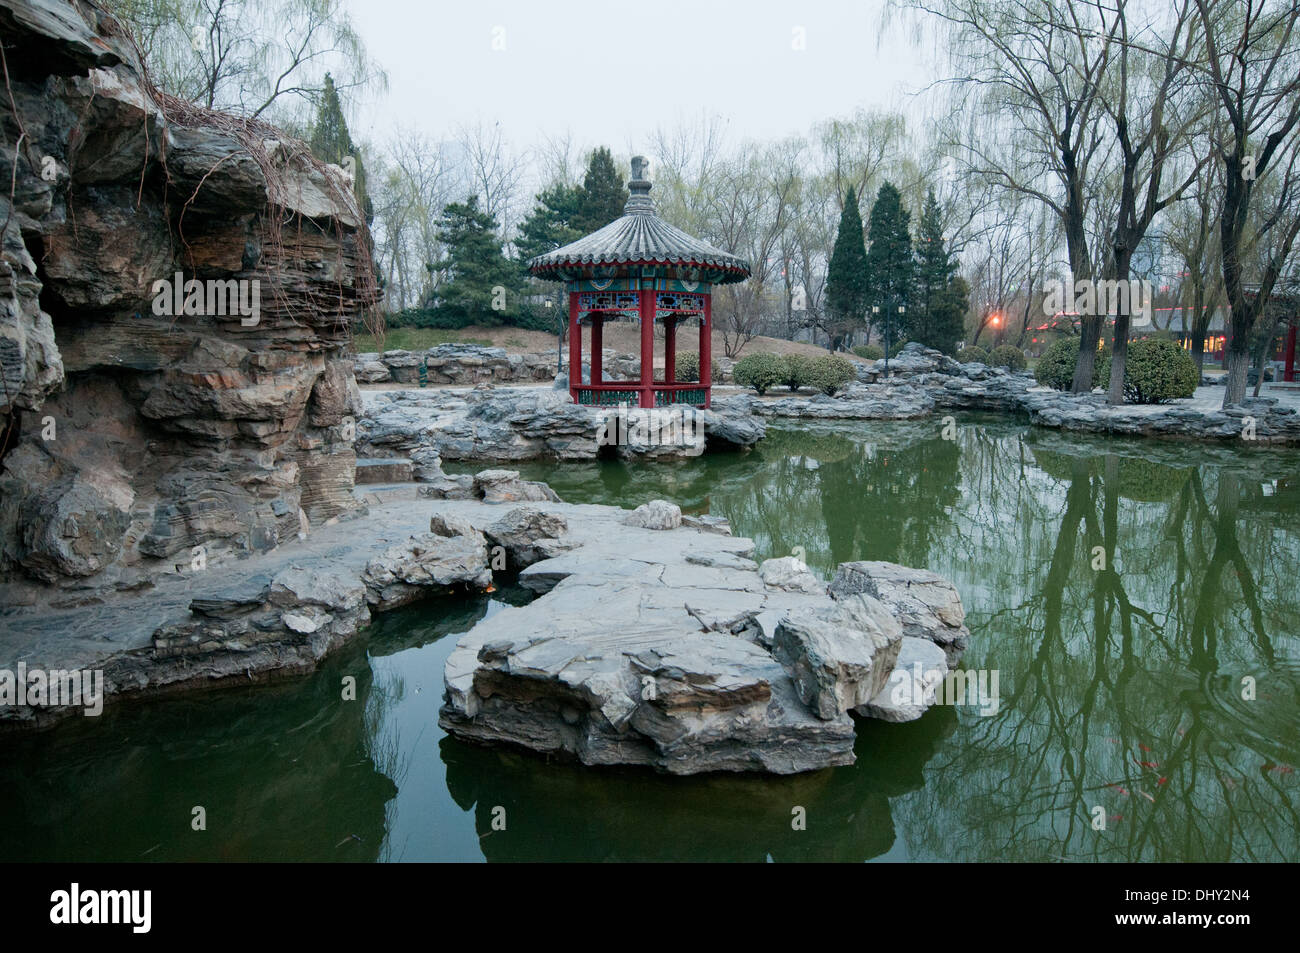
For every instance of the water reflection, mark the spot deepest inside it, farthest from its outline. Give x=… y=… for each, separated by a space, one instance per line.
x=1126 y=591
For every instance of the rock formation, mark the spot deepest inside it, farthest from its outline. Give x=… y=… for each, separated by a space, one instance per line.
x=665 y=645
x=139 y=436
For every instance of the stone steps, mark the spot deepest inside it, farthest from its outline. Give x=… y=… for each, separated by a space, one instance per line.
x=383 y=470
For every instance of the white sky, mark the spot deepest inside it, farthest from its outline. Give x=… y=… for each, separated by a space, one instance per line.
x=610 y=73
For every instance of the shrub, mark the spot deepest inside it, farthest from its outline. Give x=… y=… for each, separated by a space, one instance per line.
x=1056 y=367
x=759 y=371
x=1009 y=356
x=973 y=354
x=1156 y=371
x=828 y=374
x=797 y=368
x=687 y=368
x=869 y=352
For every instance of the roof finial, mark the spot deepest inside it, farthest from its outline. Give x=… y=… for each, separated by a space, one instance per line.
x=638 y=189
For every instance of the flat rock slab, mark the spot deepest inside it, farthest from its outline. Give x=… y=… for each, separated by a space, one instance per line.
x=651 y=647
x=655 y=647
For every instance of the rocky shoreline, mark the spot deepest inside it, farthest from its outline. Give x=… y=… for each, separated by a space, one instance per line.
x=924 y=382
x=426 y=427
x=655 y=640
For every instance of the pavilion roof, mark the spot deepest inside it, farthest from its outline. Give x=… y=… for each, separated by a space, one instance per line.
x=639 y=238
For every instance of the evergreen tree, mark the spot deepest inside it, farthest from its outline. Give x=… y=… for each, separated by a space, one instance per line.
x=846 y=278
x=890 y=272
x=483 y=286
x=603 y=193
x=937 y=313
x=331 y=142
x=548 y=226
x=949 y=315
x=551 y=222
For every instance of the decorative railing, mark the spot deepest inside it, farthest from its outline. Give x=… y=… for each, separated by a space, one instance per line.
x=605 y=396
x=695 y=396
x=665 y=395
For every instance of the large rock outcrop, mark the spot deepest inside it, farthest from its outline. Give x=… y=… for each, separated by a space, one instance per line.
x=668 y=646
x=134 y=441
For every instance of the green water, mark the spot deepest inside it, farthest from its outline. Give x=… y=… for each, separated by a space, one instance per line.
x=1142 y=659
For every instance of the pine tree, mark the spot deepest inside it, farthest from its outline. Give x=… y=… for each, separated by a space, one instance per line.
x=937 y=312
x=603 y=193
x=331 y=142
x=483 y=285
x=890 y=273
x=846 y=278
x=551 y=222
x=548 y=226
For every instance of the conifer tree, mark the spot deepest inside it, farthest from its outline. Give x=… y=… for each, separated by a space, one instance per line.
x=890 y=270
x=603 y=193
x=331 y=142
x=937 y=312
x=846 y=277
x=483 y=286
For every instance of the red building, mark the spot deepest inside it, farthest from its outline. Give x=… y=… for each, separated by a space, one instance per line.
x=640 y=266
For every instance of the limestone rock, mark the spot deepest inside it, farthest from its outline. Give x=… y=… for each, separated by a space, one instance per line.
x=70 y=529
x=445 y=524
x=425 y=565
x=504 y=486
x=222 y=422
x=927 y=604
x=839 y=657
x=912 y=686
x=528 y=536
x=790 y=574
x=657 y=514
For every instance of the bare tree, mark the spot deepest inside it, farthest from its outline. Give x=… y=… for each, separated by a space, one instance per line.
x=1031 y=75
x=1252 y=63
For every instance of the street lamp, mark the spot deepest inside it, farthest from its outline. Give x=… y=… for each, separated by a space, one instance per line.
x=559 y=343
x=889 y=336
x=875 y=310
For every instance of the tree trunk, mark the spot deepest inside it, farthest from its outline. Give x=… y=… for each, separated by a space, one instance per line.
x=1090 y=334
x=1238 y=360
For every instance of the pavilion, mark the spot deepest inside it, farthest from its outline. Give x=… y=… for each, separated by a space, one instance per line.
x=639 y=265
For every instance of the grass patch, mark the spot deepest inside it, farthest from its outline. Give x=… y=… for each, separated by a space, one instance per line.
x=415 y=339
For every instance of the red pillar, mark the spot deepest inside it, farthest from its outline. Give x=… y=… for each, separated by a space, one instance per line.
x=1290 y=354
x=706 y=350
x=647 y=303
x=575 y=346
x=597 y=343
x=670 y=350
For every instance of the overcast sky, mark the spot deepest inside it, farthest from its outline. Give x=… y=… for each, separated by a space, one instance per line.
x=612 y=72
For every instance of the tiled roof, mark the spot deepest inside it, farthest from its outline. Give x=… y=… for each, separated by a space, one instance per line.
x=640 y=237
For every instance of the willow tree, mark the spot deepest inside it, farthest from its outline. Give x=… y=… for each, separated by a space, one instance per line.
x=1252 y=64
x=1031 y=77
x=252 y=57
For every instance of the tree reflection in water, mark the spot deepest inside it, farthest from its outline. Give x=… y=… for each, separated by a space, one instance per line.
x=1121 y=685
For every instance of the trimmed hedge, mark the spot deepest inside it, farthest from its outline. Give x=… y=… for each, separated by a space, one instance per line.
x=1009 y=356
x=687 y=368
x=1156 y=371
x=973 y=354
x=797 y=367
x=1056 y=367
x=828 y=374
x=869 y=352
x=759 y=371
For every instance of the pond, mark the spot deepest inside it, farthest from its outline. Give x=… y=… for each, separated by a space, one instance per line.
x=1140 y=601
